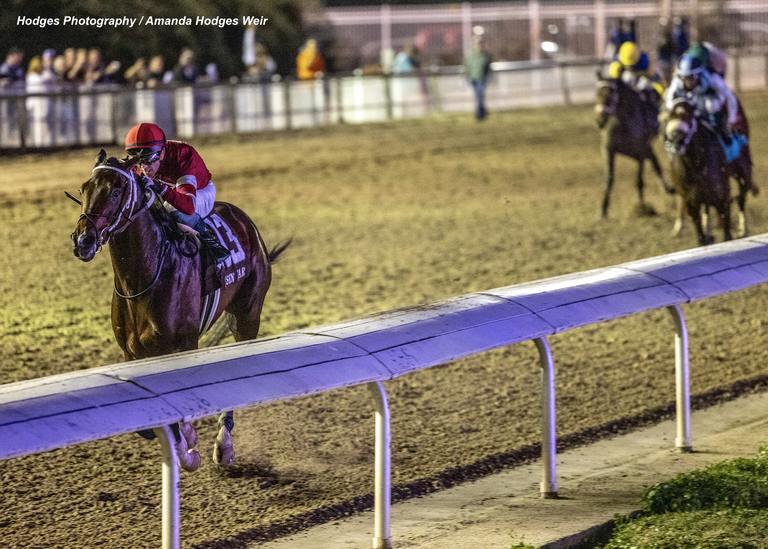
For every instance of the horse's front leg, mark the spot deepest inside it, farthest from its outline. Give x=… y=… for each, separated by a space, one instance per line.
x=677 y=229
x=665 y=186
x=640 y=182
x=610 y=159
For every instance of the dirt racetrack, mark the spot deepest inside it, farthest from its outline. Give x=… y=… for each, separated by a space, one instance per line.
x=384 y=216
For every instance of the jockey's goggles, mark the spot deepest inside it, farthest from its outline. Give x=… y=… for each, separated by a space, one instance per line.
x=145 y=156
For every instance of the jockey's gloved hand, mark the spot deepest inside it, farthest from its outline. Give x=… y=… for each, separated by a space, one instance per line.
x=158 y=187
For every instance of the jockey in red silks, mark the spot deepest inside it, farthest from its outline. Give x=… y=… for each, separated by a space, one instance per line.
x=180 y=177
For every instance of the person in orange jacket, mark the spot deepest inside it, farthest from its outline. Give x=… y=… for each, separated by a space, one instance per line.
x=310 y=63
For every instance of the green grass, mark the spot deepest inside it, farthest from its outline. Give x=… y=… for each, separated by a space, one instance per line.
x=722 y=506
x=710 y=529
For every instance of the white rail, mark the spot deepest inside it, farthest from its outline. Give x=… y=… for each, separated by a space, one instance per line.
x=63 y=410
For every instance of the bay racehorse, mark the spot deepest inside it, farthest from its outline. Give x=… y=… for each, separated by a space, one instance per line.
x=628 y=125
x=740 y=169
x=159 y=304
x=698 y=168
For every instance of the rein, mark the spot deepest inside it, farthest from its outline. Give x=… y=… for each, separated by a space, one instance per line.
x=134 y=197
x=122 y=220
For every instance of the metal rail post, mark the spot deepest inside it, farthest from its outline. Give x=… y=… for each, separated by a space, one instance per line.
x=682 y=381
x=171 y=513
x=382 y=535
x=548 y=420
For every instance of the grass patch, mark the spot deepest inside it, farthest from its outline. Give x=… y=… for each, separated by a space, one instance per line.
x=723 y=505
x=710 y=529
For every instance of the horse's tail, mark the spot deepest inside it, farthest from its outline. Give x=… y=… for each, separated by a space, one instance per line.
x=275 y=253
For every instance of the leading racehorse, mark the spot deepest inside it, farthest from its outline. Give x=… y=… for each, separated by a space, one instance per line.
x=629 y=125
x=158 y=304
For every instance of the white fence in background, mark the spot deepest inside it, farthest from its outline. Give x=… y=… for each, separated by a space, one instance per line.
x=104 y=116
x=515 y=30
x=62 y=410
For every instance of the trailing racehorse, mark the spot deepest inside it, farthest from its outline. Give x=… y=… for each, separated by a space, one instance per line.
x=161 y=302
x=629 y=125
x=698 y=168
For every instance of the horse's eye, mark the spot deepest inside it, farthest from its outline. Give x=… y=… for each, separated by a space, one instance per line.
x=115 y=193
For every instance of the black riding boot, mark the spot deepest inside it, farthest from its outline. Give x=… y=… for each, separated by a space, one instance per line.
x=206 y=236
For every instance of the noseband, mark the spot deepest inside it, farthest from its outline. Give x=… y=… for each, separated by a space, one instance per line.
x=129 y=208
x=679 y=149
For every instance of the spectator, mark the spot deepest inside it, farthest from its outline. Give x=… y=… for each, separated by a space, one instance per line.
x=680 y=37
x=76 y=72
x=186 y=71
x=49 y=75
x=310 y=63
x=69 y=62
x=664 y=55
x=12 y=71
x=138 y=73
x=477 y=66
x=263 y=67
x=211 y=73
x=59 y=68
x=39 y=109
x=157 y=75
x=406 y=61
x=621 y=33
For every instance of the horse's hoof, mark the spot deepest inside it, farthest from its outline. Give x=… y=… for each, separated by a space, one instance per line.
x=223 y=449
x=189 y=459
x=189 y=432
x=754 y=190
x=645 y=210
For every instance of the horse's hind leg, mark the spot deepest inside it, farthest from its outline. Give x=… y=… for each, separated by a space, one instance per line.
x=244 y=320
x=741 y=202
x=724 y=214
x=610 y=158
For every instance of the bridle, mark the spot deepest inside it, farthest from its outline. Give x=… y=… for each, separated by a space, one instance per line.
x=693 y=126
x=610 y=103
x=130 y=208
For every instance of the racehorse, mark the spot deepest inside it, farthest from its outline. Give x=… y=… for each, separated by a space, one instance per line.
x=628 y=125
x=158 y=306
x=741 y=170
x=698 y=168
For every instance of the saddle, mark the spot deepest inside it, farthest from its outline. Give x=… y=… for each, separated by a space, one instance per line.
x=216 y=276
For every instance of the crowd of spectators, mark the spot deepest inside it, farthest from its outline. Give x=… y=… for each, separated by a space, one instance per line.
x=82 y=69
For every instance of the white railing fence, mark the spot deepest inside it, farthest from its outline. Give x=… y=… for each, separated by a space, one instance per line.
x=62 y=410
x=103 y=116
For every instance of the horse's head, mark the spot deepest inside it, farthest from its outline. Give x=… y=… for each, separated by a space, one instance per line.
x=680 y=127
x=607 y=100
x=109 y=198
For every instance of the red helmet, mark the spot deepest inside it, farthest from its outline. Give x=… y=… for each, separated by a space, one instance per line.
x=145 y=139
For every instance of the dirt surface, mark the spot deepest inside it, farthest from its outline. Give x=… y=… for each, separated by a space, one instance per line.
x=383 y=216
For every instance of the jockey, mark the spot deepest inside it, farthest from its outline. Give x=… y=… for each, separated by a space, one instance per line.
x=706 y=89
x=632 y=66
x=180 y=178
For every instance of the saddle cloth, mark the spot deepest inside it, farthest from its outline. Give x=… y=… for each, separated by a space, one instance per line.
x=733 y=150
x=216 y=277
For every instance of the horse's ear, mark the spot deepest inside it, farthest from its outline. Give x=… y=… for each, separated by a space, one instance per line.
x=129 y=162
x=101 y=157
x=599 y=74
